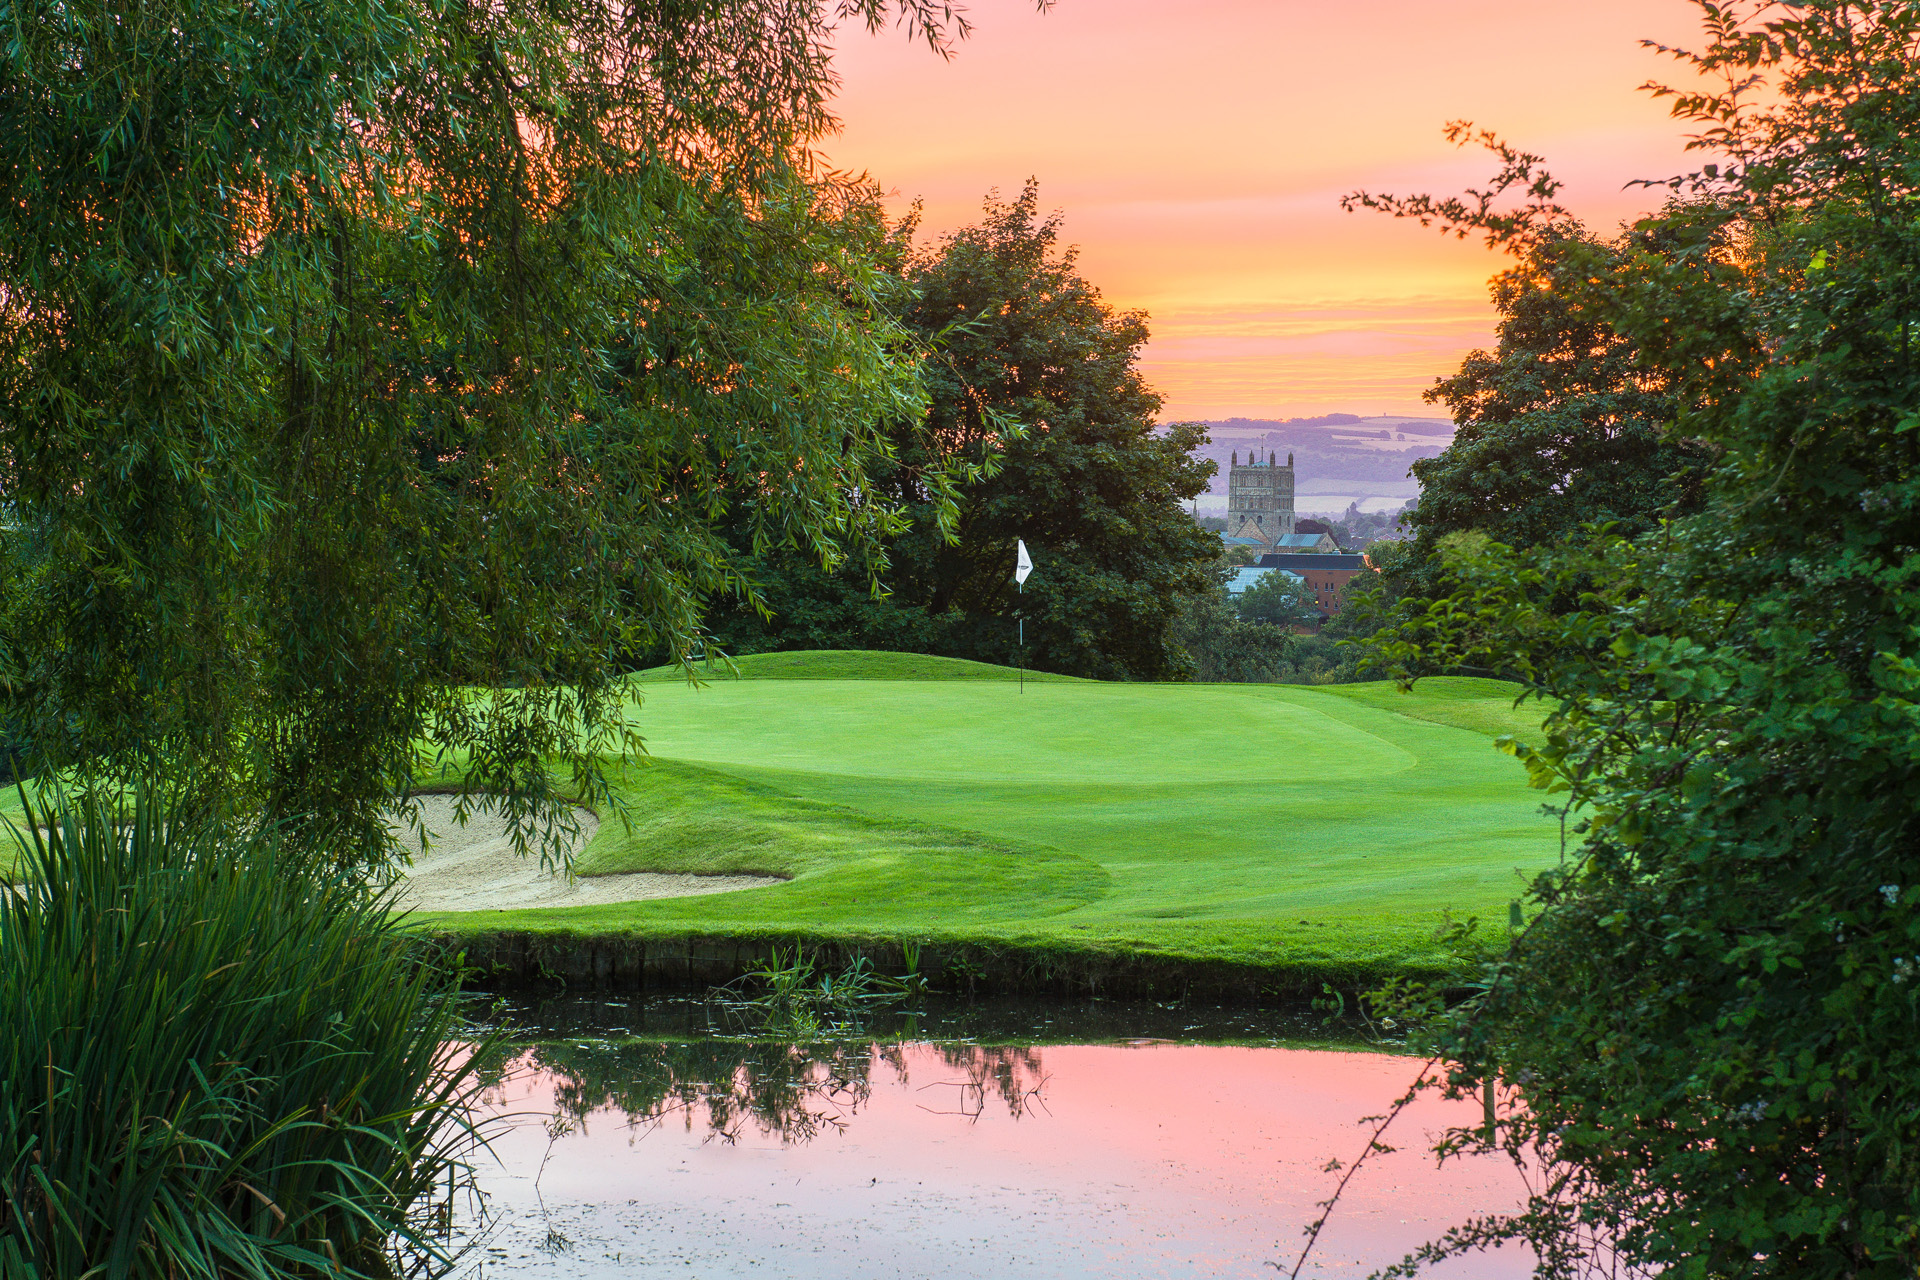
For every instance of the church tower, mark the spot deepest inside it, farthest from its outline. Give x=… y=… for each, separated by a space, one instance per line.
x=1260 y=498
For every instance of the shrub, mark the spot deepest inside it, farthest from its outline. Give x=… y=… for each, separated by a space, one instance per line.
x=219 y=1061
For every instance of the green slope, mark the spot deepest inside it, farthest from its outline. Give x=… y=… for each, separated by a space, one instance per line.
x=843 y=864
x=848 y=664
x=1463 y=702
x=1277 y=824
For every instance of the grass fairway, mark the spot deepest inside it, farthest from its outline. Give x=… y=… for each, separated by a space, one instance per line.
x=1325 y=829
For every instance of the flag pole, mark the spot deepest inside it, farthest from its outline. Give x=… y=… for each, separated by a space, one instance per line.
x=1022 y=566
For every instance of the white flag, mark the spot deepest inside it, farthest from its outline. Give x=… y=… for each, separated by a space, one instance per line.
x=1022 y=564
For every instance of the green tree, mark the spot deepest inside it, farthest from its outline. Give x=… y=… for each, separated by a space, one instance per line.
x=381 y=374
x=1224 y=647
x=1279 y=599
x=1561 y=427
x=1706 y=1031
x=1035 y=386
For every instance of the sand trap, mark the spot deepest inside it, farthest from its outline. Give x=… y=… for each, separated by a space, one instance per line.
x=475 y=868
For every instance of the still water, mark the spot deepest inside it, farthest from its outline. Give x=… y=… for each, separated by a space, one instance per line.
x=1018 y=1141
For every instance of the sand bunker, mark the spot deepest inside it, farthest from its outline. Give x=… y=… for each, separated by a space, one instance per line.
x=475 y=868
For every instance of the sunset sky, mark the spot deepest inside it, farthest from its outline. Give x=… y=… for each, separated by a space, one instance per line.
x=1199 y=150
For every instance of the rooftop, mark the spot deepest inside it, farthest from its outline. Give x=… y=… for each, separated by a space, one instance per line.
x=1244 y=578
x=1308 y=560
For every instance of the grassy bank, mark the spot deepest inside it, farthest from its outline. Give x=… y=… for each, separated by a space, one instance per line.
x=849 y=664
x=1138 y=835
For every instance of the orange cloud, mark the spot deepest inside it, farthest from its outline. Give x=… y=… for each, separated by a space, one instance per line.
x=1199 y=151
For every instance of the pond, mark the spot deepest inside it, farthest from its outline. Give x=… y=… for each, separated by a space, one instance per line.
x=1021 y=1140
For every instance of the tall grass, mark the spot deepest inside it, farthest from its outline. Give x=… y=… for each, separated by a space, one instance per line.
x=216 y=1060
x=790 y=996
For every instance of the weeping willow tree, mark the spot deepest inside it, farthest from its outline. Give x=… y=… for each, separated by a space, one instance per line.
x=377 y=372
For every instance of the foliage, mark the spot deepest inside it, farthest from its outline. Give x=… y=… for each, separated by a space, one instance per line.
x=359 y=353
x=1036 y=386
x=1706 y=1033
x=23 y=596
x=1253 y=642
x=220 y=1061
x=793 y=1092
x=1320 y=659
x=1373 y=593
x=787 y=995
x=1563 y=426
x=1278 y=600
x=1224 y=646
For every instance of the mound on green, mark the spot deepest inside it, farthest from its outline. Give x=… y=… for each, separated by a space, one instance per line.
x=1463 y=702
x=1328 y=829
x=848 y=664
x=840 y=863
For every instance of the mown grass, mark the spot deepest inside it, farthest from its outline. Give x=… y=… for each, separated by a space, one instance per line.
x=842 y=863
x=1324 y=829
x=1461 y=702
x=850 y=664
x=13 y=820
x=1320 y=828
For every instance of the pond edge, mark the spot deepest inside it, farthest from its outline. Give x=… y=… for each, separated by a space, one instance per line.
x=509 y=960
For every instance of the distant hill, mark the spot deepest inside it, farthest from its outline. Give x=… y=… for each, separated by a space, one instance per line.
x=1331 y=448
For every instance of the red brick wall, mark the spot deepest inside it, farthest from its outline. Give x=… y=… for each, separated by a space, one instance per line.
x=1329 y=586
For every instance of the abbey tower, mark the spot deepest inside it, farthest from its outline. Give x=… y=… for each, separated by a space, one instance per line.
x=1259 y=498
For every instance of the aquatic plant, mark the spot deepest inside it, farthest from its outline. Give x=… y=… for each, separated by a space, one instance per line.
x=789 y=994
x=220 y=1061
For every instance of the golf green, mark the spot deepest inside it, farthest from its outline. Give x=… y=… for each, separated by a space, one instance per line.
x=1200 y=801
x=1327 y=830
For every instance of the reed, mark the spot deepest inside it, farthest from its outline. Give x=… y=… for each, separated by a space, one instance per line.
x=220 y=1061
x=789 y=995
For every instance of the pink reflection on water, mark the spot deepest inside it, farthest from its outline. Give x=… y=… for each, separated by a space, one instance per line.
x=1149 y=1161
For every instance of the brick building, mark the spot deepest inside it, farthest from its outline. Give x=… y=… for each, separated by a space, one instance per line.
x=1325 y=575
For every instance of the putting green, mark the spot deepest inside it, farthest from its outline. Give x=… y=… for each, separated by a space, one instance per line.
x=1325 y=828
x=1328 y=829
x=1201 y=801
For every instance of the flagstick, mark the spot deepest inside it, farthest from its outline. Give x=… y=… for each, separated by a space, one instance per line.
x=1022 y=566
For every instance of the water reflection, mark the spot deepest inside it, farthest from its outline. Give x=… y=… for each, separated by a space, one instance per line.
x=704 y=1157
x=789 y=1092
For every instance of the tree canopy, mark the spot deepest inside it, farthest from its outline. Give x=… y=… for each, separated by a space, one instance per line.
x=1706 y=1030
x=379 y=376
x=1279 y=599
x=1034 y=386
x=1561 y=427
